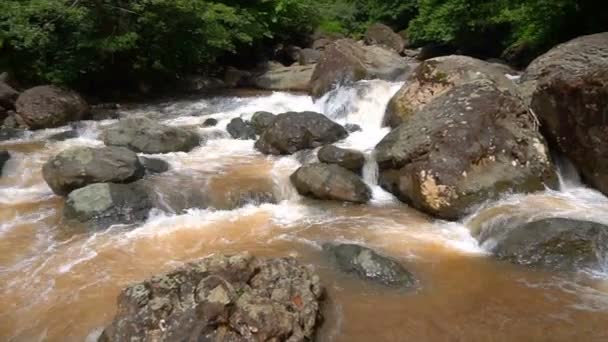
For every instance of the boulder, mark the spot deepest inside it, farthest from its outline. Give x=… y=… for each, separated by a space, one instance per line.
x=146 y=136
x=211 y=122
x=262 y=120
x=101 y=205
x=349 y=159
x=291 y=78
x=380 y=34
x=330 y=182
x=553 y=243
x=234 y=77
x=568 y=91
x=4 y=157
x=309 y=56
x=291 y=132
x=221 y=298
x=77 y=167
x=436 y=76
x=8 y=96
x=471 y=144
x=240 y=130
x=369 y=265
x=345 y=61
x=50 y=106
x=154 y=165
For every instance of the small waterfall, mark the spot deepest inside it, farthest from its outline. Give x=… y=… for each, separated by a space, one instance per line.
x=566 y=172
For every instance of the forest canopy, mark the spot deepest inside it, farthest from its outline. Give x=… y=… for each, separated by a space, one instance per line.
x=76 y=41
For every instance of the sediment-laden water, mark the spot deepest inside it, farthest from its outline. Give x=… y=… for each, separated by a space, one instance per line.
x=59 y=282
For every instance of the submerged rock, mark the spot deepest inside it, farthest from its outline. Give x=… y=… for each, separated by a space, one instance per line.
x=104 y=204
x=348 y=159
x=62 y=136
x=240 y=129
x=352 y=128
x=292 y=132
x=4 y=157
x=154 y=165
x=435 y=77
x=50 y=106
x=568 y=90
x=330 y=182
x=471 y=144
x=77 y=167
x=554 y=243
x=369 y=265
x=221 y=298
x=146 y=136
x=346 y=61
x=380 y=34
x=291 y=78
x=262 y=120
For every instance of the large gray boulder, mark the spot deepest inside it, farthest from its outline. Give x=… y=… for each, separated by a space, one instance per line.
x=435 y=77
x=345 y=61
x=471 y=144
x=101 y=205
x=349 y=159
x=146 y=136
x=50 y=106
x=380 y=34
x=221 y=298
x=241 y=130
x=553 y=243
x=262 y=120
x=292 y=132
x=369 y=265
x=291 y=78
x=77 y=167
x=568 y=91
x=330 y=182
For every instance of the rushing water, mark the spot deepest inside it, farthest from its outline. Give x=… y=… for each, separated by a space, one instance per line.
x=60 y=283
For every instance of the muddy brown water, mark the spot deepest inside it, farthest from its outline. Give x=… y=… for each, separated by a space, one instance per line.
x=60 y=283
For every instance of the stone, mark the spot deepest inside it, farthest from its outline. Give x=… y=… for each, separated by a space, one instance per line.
x=101 y=205
x=309 y=56
x=240 y=130
x=349 y=159
x=352 y=128
x=143 y=135
x=50 y=106
x=368 y=265
x=330 y=182
x=65 y=135
x=554 y=243
x=292 y=132
x=436 y=76
x=261 y=121
x=211 y=122
x=472 y=144
x=222 y=298
x=154 y=165
x=78 y=167
x=290 y=78
x=380 y=34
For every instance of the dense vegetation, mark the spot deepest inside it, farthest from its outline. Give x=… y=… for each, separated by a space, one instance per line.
x=77 y=41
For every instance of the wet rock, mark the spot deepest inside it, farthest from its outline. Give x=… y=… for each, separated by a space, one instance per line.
x=380 y=34
x=154 y=165
x=568 y=90
x=262 y=120
x=240 y=130
x=50 y=106
x=352 y=128
x=436 y=76
x=11 y=133
x=8 y=96
x=221 y=298
x=369 y=265
x=554 y=243
x=330 y=182
x=348 y=159
x=65 y=135
x=211 y=122
x=469 y=145
x=4 y=157
x=104 y=204
x=146 y=136
x=345 y=61
x=309 y=56
x=77 y=167
x=291 y=132
x=291 y=78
